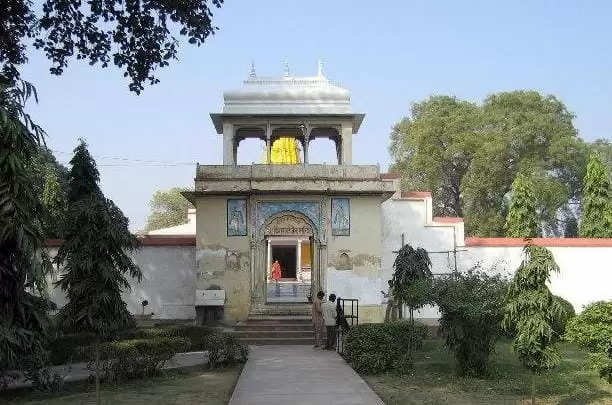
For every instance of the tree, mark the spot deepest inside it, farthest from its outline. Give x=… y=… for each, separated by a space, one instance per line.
x=521 y=221
x=597 y=207
x=411 y=283
x=137 y=37
x=468 y=155
x=24 y=265
x=168 y=208
x=531 y=311
x=603 y=148
x=95 y=257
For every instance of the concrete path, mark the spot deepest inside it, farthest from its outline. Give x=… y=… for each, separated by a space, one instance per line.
x=78 y=371
x=299 y=375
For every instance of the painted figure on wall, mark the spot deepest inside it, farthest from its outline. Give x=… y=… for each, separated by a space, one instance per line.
x=236 y=218
x=341 y=217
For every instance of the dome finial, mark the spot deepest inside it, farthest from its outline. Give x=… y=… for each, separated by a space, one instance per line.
x=252 y=73
x=286 y=67
x=320 y=70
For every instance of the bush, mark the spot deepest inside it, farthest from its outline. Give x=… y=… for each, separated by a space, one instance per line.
x=567 y=313
x=379 y=347
x=471 y=305
x=592 y=329
x=135 y=358
x=65 y=348
x=224 y=349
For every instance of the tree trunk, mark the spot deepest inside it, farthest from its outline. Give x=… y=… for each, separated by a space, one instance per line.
x=533 y=388
x=411 y=341
x=98 y=400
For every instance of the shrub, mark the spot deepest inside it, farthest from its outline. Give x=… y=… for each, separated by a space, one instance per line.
x=134 y=358
x=592 y=328
x=471 y=305
x=65 y=348
x=224 y=349
x=376 y=348
x=567 y=313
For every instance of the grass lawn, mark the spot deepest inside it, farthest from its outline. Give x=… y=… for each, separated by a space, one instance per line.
x=188 y=386
x=434 y=381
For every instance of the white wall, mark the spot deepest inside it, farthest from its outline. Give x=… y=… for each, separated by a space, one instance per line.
x=585 y=272
x=168 y=282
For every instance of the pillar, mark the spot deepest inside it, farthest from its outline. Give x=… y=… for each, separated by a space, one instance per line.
x=228 y=144
x=346 y=145
x=307 y=131
x=268 y=144
x=298 y=266
x=268 y=260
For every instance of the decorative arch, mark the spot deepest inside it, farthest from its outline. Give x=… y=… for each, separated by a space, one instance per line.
x=288 y=223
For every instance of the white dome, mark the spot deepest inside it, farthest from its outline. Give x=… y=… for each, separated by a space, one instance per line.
x=287 y=95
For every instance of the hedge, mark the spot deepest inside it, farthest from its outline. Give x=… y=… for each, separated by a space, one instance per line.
x=379 y=347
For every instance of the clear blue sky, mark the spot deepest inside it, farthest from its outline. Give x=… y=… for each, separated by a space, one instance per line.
x=389 y=54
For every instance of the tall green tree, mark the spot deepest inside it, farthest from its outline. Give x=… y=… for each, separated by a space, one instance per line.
x=469 y=154
x=24 y=265
x=597 y=201
x=168 y=208
x=95 y=256
x=521 y=221
x=531 y=311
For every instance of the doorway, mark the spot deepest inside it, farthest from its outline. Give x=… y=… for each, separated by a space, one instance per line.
x=294 y=255
x=287 y=257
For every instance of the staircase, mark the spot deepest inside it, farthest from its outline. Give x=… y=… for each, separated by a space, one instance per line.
x=282 y=324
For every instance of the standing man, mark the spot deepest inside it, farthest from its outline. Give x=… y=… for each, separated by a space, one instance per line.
x=317 y=319
x=329 y=314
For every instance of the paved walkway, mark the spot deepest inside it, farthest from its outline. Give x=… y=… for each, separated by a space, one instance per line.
x=299 y=375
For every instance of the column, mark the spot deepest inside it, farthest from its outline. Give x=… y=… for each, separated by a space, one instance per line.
x=268 y=260
x=298 y=266
x=268 y=144
x=307 y=131
x=228 y=144
x=346 y=145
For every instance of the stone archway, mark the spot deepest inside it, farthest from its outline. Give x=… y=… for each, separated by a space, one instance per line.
x=284 y=225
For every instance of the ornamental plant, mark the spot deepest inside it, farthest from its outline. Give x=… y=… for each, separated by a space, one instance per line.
x=411 y=284
x=472 y=308
x=531 y=312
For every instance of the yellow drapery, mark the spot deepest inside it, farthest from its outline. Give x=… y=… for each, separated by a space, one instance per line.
x=285 y=151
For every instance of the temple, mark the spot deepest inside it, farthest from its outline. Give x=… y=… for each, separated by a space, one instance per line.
x=323 y=223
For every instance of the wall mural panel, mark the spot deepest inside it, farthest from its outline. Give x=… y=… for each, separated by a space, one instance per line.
x=341 y=216
x=236 y=217
x=311 y=209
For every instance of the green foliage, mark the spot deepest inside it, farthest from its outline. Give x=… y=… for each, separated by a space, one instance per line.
x=567 y=313
x=376 y=348
x=136 y=358
x=95 y=254
x=23 y=264
x=469 y=154
x=521 y=221
x=472 y=308
x=168 y=208
x=592 y=328
x=411 y=280
x=531 y=311
x=597 y=201
x=224 y=349
x=137 y=39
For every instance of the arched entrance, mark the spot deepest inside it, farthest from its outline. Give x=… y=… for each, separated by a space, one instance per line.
x=289 y=238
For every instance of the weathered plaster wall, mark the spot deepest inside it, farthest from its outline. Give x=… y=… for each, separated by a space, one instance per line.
x=222 y=260
x=354 y=262
x=168 y=282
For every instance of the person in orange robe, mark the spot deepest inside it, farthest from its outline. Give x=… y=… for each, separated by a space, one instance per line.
x=276 y=271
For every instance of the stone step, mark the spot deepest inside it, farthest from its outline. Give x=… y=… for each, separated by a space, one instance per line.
x=283 y=318
x=286 y=334
x=307 y=326
x=277 y=341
